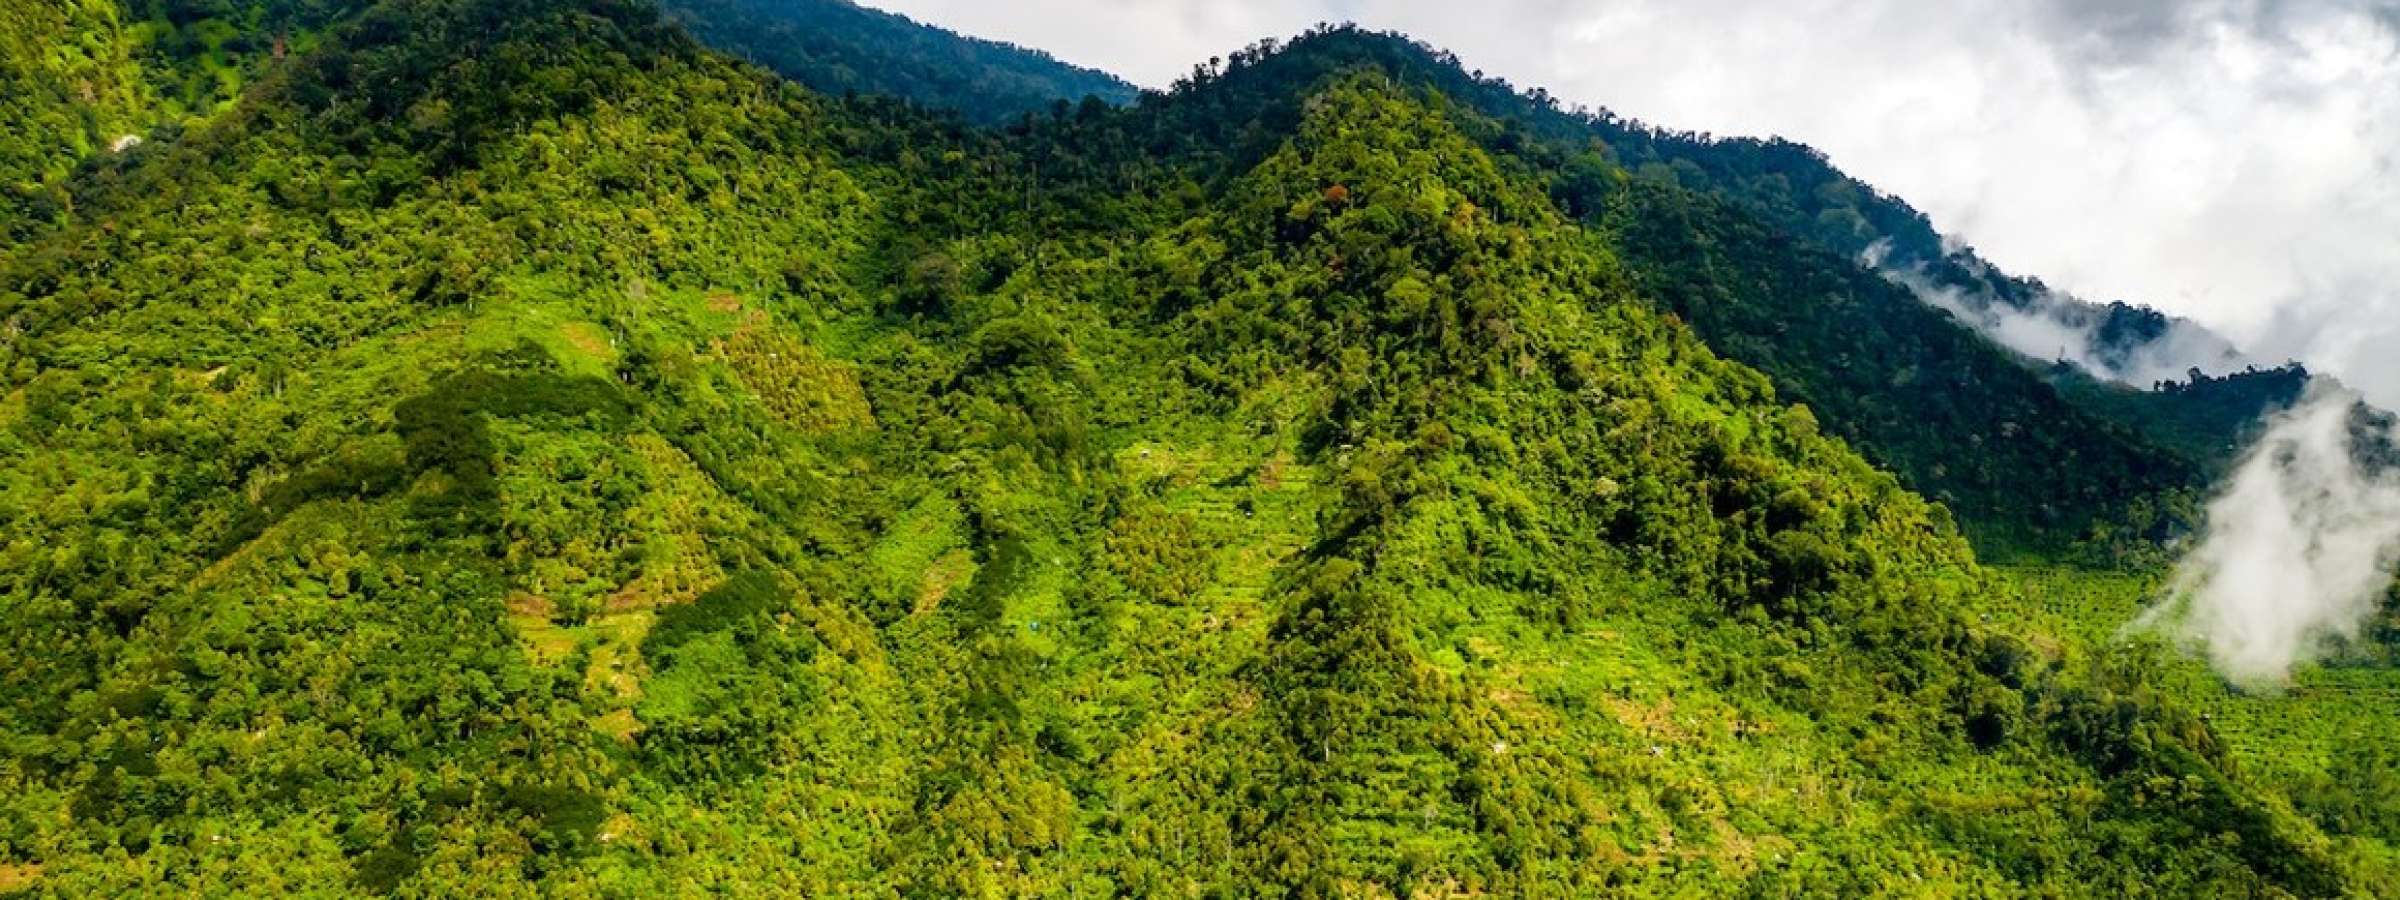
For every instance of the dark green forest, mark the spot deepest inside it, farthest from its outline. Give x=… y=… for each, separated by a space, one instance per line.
x=508 y=447
x=839 y=48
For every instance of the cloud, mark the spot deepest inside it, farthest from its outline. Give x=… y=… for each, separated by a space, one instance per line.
x=2051 y=327
x=2231 y=161
x=2298 y=550
x=1148 y=42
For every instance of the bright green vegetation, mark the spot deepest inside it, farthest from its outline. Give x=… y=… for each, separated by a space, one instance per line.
x=516 y=451
x=837 y=47
x=59 y=65
x=2326 y=741
x=68 y=89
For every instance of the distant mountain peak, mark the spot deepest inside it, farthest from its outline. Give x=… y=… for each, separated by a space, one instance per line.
x=838 y=47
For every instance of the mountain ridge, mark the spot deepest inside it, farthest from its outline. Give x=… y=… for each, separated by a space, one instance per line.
x=523 y=452
x=839 y=47
x=1904 y=410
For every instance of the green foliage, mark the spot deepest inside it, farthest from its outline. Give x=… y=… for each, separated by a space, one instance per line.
x=2208 y=419
x=85 y=82
x=1754 y=244
x=1969 y=426
x=521 y=452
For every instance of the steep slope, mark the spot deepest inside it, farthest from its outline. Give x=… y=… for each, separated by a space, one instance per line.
x=1902 y=381
x=1975 y=429
x=839 y=47
x=518 y=451
x=1789 y=186
x=1796 y=190
x=1553 y=490
x=2207 y=418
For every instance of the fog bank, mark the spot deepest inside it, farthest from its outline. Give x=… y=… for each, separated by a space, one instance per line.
x=2297 y=550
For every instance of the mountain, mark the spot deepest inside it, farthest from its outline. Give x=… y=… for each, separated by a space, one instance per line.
x=838 y=47
x=516 y=449
x=1901 y=380
x=2111 y=492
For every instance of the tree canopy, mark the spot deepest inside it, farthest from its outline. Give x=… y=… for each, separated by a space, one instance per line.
x=513 y=449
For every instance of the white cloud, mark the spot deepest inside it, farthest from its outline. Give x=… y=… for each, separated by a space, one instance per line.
x=2298 y=548
x=2232 y=161
x=1148 y=42
x=2054 y=328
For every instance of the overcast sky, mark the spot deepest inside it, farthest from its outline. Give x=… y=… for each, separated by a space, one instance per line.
x=2229 y=161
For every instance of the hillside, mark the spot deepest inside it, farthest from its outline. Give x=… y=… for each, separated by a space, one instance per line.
x=2124 y=487
x=1789 y=187
x=516 y=450
x=2207 y=418
x=1902 y=381
x=838 y=47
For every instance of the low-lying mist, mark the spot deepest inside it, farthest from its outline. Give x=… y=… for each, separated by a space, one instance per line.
x=2051 y=327
x=2297 y=550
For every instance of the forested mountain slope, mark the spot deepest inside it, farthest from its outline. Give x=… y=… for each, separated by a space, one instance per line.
x=1904 y=382
x=515 y=450
x=1789 y=186
x=838 y=47
x=2207 y=418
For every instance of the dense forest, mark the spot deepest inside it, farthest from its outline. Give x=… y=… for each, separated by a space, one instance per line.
x=1899 y=380
x=87 y=78
x=840 y=48
x=509 y=447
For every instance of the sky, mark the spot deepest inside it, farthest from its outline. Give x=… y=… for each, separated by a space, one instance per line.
x=2233 y=161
